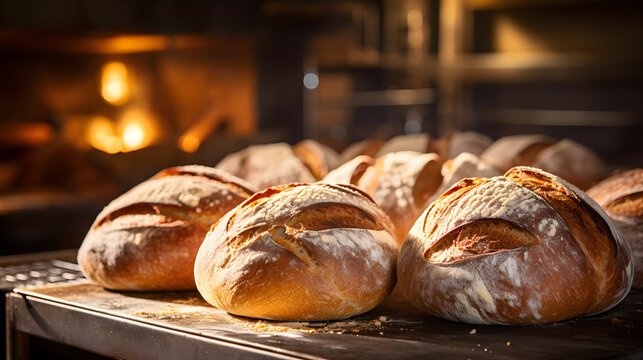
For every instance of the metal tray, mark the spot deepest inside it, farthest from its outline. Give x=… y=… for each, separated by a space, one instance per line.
x=182 y=325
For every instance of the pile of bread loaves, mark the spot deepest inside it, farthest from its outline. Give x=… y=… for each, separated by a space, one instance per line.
x=302 y=233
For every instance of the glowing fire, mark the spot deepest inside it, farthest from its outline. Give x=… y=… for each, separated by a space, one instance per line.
x=135 y=130
x=101 y=134
x=114 y=86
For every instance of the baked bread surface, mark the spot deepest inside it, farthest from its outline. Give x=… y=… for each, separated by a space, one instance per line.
x=147 y=238
x=299 y=252
x=621 y=196
x=267 y=165
x=526 y=248
x=400 y=183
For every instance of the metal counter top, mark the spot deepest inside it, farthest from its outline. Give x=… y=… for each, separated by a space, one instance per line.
x=172 y=325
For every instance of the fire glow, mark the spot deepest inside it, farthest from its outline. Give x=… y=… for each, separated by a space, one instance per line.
x=135 y=130
x=114 y=86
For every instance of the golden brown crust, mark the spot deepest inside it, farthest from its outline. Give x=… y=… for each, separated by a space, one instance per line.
x=368 y=147
x=522 y=249
x=573 y=162
x=147 y=239
x=463 y=166
x=267 y=165
x=401 y=183
x=621 y=196
x=299 y=252
x=510 y=151
x=318 y=158
x=624 y=186
x=351 y=171
x=589 y=228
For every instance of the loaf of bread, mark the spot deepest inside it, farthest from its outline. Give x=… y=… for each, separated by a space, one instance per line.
x=621 y=196
x=465 y=165
x=368 y=147
x=267 y=165
x=400 y=183
x=299 y=252
x=526 y=248
x=147 y=238
x=415 y=142
x=510 y=151
x=573 y=162
x=317 y=157
x=351 y=171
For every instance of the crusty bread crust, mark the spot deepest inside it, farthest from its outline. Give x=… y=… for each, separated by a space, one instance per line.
x=621 y=196
x=515 y=150
x=147 y=238
x=299 y=252
x=465 y=165
x=351 y=171
x=267 y=165
x=317 y=157
x=368 y=147
x=573 y=162
x=401 y=184
x=526 y=248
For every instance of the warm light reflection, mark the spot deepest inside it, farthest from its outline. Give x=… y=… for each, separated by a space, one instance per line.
x=137 y=128
x=133 y=136
x=189 y=143
x=114 y=86
x=101 y=134
x=113 y=145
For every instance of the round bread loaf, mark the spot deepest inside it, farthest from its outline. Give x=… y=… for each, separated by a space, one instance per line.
x=400 y=183
x=621 y=196
x=267 y=165
x=299 y=252
x=317 y=157
x=526 y=248
x=147 y=238
x=573 y=162
x=510 y=151
x=351 y=171
x=463 y=166
x=368 y=147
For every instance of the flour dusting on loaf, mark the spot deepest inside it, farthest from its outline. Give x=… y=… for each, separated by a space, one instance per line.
x=401 y=184
x=299 y=252
x=494 y=251
x=147 y=239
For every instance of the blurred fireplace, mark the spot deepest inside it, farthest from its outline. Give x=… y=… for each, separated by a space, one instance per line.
x=85 y=117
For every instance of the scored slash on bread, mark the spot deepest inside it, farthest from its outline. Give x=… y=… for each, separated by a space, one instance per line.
x=147 y=238
x=299 y=252
x=526 y=248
